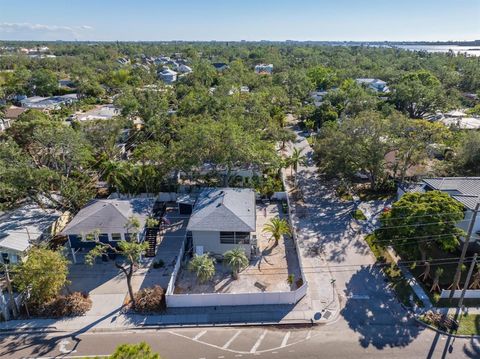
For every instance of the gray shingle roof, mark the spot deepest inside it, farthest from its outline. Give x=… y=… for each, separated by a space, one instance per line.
x=464 y=185
x=109 y=215
x=25 y=225
x=224 y=209
x=464 y=189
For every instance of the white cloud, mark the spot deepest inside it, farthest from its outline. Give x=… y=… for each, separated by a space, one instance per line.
x=9 y=27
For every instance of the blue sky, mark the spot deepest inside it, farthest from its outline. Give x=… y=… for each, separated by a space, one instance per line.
x=240 y=20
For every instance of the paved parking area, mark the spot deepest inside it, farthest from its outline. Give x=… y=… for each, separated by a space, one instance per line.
x=107 y=285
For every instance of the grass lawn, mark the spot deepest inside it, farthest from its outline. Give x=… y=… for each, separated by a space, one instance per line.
x=469 y=324
x=358 y=215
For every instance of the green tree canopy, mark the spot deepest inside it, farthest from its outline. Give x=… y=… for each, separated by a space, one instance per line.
x=42 y=275
x=417 y=93
x=419 y=220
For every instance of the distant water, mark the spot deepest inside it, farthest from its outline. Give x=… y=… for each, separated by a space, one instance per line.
x=469 y=50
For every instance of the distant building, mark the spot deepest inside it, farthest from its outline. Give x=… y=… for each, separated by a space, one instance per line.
x=11 y=114
x=184 y=69
x=264 y=69
x=374 y=84
x=100 y=112
x=168 y=76
x=317 y=97
x=48 y=103
x=220 y=66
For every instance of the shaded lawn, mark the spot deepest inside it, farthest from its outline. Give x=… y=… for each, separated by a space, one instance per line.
x=469 y=324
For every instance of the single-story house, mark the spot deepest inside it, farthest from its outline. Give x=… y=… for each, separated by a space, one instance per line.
x=11 y=114
x=220 y=66
x=264 y=69
x=100 y=112
x=184 y=69
x=223 y=219
x=168 y=76
x=374 y=84
x=466 y=190
x=25 y=227
x=48 y=103
x=107 y=221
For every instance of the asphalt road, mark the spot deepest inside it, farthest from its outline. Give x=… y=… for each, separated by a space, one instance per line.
x=330 y=341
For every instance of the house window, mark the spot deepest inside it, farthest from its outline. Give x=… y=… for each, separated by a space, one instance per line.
x=131 y=236
x=227 y=237
x=116 y=237
x=242 y=237
x=235 y=237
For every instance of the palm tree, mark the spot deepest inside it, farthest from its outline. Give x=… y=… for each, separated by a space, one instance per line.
x=295 y=159
x=236 y=259
x=277 y=228
x=116 y=174
x=203 y=266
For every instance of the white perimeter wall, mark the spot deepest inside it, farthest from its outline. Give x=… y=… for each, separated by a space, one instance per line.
x=470 y=293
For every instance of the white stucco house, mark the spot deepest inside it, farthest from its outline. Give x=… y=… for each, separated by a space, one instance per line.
x=223 y=219
x=466 y=190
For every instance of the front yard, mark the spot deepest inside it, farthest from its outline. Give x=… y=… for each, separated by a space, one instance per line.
x=276 y=269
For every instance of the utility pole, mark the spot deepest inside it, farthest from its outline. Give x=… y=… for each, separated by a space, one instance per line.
x=467 y=282
x=456 y=278
x=10 y=291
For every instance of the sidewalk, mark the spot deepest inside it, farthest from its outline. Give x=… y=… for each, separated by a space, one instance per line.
x=174 y=317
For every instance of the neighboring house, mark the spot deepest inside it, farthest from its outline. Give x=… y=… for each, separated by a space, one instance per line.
x=184 y=69
x=123 y=61
x=66 y=84
x=220 y=66
x=317 y=97
x=107 y=220
x=264 y=69
x=223 y=219
x=464 y=123
x=100 y=112
x=241 y=90
x=374 y=84
x=466 y=190
x=25 y=227
x=48 y=103
x=168 y=76
x=11 y=114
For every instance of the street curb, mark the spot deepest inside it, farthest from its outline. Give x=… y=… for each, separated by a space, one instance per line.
x=459 y=336
x=50 y=330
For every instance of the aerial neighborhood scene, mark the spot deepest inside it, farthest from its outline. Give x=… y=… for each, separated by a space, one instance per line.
x=229 y=180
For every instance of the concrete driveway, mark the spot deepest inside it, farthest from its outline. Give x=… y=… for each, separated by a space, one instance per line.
x=322 y=218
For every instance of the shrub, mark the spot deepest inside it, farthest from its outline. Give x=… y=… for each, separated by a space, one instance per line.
x=291 y=278
x=150 y=300
x=71 y=305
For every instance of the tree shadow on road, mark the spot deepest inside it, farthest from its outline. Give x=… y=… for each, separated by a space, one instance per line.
x=42 y=344
x=374 y=313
